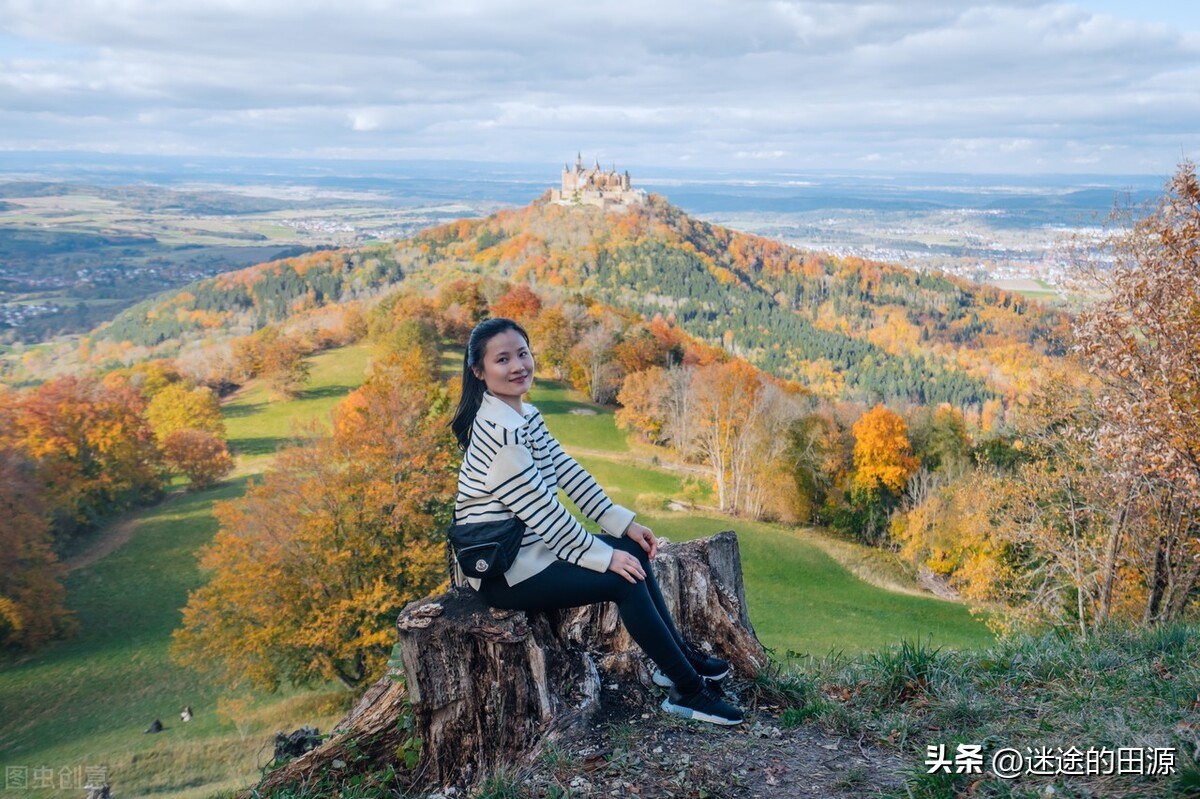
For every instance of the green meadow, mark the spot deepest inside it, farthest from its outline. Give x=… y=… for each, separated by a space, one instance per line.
x=84 y=703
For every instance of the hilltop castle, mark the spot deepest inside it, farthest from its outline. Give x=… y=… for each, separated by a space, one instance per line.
x=593 y=186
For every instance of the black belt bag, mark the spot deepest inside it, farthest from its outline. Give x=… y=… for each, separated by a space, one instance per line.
x=484 y=549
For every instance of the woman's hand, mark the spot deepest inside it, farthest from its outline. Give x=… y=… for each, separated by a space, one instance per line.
x=627 y=566
x=645 y=539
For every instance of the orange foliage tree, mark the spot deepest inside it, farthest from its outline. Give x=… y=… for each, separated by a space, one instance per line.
x=310 y=568
x=519 y=303
x=882 y=452
x=32 y=597
x=201 y=456
x=95 y=453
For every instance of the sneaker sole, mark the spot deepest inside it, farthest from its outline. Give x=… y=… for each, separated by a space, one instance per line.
x=663 y=681
x=696 y=715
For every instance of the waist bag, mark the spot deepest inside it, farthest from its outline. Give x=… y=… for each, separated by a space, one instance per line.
x=486 y=548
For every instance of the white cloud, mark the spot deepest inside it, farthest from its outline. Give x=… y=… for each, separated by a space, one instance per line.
x=715 y=82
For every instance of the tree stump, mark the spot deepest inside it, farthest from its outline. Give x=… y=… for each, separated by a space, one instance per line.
x=484 y=687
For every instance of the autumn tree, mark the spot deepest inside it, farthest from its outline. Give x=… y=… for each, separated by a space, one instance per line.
x=519 y=303
x=882 y=453
x=819 y=455
x=762 y=485
x=199 y=455
x=148 y=377
x=211 y=365
x=883 y=463
x=178 y=407
x=638 y=349
x=722 y=395
x=408 y=323
x=284 y=366
x=276 y=357
x=554 y=337
x=461 y=306
x=93 y=449
x=1141 y=343
x=310 y=568
x=939 y=438
x=593 y=369
x=32 y=597
x=643 y=398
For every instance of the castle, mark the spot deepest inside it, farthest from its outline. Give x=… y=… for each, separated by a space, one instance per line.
x=592 y=186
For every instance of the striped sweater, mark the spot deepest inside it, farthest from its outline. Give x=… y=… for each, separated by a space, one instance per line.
x=513 y=466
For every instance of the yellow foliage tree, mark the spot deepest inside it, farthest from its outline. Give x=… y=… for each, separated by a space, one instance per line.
x=310 y=568
x=882 y=452
x=176 y=407
x=643 y=397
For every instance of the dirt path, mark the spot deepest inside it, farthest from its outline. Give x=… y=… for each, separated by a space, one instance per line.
x=116 y=535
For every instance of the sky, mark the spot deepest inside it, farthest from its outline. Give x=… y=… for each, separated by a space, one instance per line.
x=1096 y=86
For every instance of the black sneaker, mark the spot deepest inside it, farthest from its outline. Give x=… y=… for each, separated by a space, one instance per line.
x=705 y=665
x=704 y=705
x=708 y=667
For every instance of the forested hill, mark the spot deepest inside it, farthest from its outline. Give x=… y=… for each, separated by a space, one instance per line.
x=844 y=326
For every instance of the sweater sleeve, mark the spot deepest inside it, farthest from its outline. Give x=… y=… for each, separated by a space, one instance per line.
x=514 y=479
x=583 y=489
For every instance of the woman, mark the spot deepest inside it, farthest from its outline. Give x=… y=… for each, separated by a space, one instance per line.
x=513 y=466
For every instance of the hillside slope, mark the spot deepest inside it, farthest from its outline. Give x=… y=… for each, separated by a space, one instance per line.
x=844 y=327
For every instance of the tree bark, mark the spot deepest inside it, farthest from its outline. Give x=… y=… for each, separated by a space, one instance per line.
x=487 y=687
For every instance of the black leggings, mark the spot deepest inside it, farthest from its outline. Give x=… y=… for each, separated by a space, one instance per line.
x=641 y=605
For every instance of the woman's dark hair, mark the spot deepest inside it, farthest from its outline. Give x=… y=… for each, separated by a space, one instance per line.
x=472 y=386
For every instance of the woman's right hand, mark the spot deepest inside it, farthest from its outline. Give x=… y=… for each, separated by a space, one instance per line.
x=627 y=566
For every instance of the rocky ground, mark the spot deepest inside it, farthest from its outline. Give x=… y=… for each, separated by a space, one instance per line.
x=634 y=749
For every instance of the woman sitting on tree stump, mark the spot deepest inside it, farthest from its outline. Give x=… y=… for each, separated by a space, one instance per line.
x=512 y=466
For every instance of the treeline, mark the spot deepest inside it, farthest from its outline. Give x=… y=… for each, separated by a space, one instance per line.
x=255 y=297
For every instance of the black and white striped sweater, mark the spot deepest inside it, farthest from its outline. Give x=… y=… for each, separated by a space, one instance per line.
x=513 y=466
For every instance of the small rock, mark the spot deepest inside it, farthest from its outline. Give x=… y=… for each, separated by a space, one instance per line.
x=760 y=730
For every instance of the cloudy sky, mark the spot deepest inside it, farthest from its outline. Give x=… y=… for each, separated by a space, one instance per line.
x=1107 y=86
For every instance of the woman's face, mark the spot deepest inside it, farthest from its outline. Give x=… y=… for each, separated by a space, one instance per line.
x=507 y=367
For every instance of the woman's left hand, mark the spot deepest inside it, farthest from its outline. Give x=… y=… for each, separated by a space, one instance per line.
x=646 y=540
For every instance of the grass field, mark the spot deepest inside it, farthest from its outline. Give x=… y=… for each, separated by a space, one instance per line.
x=85 y=702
